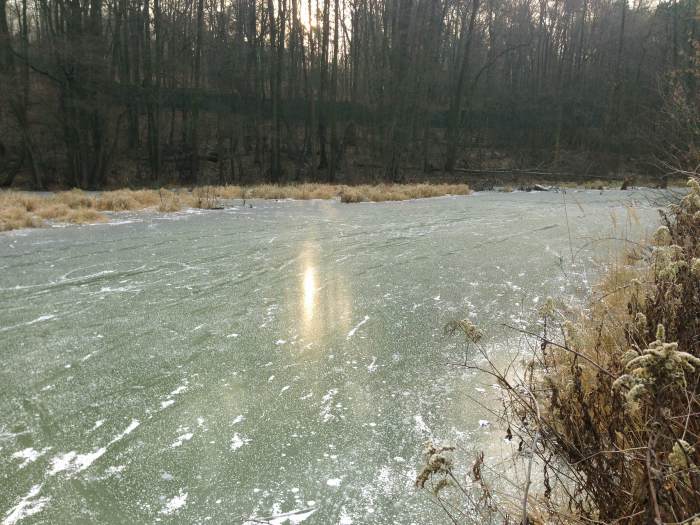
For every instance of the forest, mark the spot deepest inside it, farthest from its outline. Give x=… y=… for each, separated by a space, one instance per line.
x=112 y=93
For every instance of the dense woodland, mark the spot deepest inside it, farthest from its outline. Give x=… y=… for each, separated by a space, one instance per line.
x=100 y=93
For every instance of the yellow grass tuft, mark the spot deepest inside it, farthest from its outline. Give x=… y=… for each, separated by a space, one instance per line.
x=124 y=200
x=170 y=201
x=85 y=216
x=75 y=199
x=18 y=199
x=17 y=217
x=229 y=192
x=53 y=211
x=350 y=195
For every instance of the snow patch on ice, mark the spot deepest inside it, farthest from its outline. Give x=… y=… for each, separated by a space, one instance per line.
x=237 y=441
x=181 y=439
x=73 y=463
x=421 y=427
x=175 y=503
x=333 y=482
x=327 y=405
x=115 y=470
x=29 y=455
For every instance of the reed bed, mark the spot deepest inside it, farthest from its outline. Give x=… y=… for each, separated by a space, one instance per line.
x=28 y=210
x=400 y=192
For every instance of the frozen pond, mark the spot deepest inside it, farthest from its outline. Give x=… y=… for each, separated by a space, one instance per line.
x=283 y=363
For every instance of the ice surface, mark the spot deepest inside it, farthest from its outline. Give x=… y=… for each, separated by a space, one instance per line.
x=356 y=296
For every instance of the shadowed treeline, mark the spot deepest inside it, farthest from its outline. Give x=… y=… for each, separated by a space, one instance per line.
x=103 y=93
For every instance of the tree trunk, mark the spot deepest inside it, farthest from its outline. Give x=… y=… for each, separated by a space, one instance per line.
x=454 y=119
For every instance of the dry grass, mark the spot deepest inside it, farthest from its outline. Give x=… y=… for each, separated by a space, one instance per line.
x=17 y=217
x=170 y=201
x=400 y=192
x=363 y=193
x=26 y=210
x=124 y=200
x=85 y=216
x=294 y=191
x=75 y=199
x=205 y=197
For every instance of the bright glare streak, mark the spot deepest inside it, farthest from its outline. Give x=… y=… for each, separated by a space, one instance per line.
x=309 y=292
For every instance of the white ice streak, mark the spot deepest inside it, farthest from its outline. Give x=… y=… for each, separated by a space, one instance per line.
x=39 y=319
x=358 y=325
x=179 y=390
x=372 y=367
x=293 y=517
x=169 y=401
x=27 y=506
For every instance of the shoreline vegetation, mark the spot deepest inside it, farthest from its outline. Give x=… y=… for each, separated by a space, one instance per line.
x=25 y=209
x=20 y=209
x=603 y=407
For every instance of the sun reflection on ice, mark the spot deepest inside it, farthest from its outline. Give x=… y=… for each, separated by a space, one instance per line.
x=310 y=290
x=321 y=299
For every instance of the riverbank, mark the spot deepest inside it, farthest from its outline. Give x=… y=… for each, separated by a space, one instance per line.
x=23 y=209
x=605 y=410
x=32 y=210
